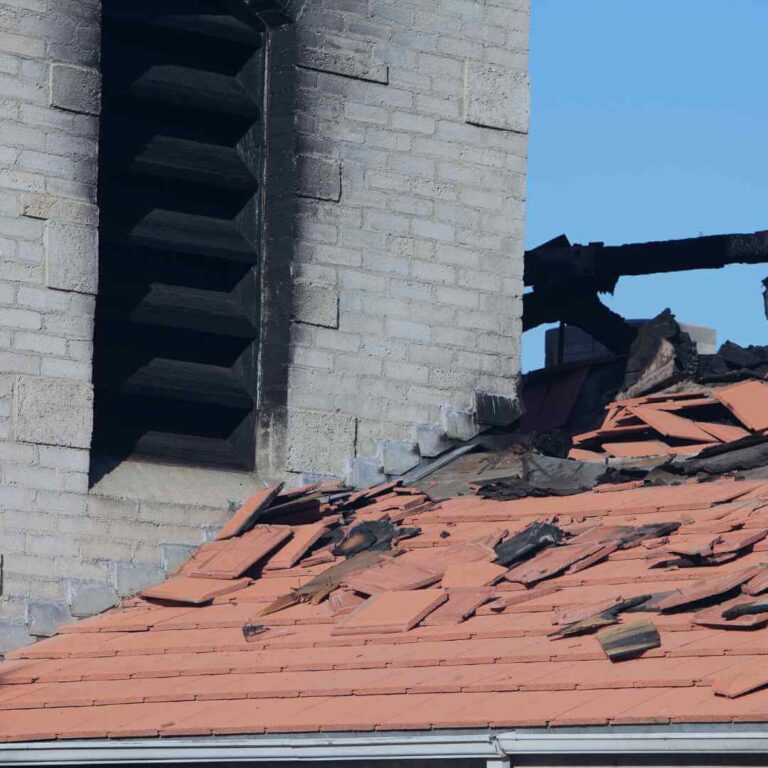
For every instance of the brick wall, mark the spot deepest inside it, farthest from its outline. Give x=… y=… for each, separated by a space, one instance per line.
x=412 y=140
x=411 y=122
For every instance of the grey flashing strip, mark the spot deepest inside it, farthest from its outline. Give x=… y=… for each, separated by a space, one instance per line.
x=497 y=749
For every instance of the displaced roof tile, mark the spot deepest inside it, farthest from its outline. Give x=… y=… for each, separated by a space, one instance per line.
x=185 y=589
x=477 y=574
x=461 y=603
x=748 y=401
x=239 y=554
x=396 y=611
x=391 y=574
x=304 y=536
x=670 y=425
x=637 y=449
x=248 y=512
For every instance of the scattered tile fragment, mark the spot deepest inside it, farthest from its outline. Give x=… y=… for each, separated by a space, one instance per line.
x=343 y=601
x=391 y=574
x=707 y=588
x=629 y=640
x=637 y=449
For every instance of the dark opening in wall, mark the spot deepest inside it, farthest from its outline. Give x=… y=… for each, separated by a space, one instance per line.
x=182 y=192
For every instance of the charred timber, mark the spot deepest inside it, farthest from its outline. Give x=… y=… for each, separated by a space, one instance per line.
x=599 y=266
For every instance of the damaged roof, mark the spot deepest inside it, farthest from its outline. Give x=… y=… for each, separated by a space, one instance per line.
x=324 y=610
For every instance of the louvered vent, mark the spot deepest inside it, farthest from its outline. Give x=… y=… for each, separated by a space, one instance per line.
x=181 y=160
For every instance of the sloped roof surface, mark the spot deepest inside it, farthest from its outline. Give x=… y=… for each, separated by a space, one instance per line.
x=469 y=656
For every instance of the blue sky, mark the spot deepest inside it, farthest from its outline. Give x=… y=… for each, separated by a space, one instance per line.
x=650 y=121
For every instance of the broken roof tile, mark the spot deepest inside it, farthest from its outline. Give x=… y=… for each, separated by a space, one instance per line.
x=477 y=574
x=239 y=554
x=629 y=640
x=343 y=601
x=581 y=454
x=550 y=562
x=757 y=584
x=248 y=513
x=637 y=449
x=748 y=402
x=185 y=589
x=304 y=536
x=461 y=603
x=391 y=574
x=742 y=679
x=396 y=611
x=726 y=433
x=670 y=425
x=702 y=590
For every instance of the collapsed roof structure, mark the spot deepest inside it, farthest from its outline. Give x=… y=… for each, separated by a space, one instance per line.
x=567 y=279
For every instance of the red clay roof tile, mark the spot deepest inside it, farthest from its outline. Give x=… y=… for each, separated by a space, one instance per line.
x=239 y=554
x=184 y=589
x=147 y=669
x=461 y=603
x=748 y=401
x=669 y=424
x=248 y=512
x=304 y=536
x=395 y=611
x=391 y=574
x=637 y=449
x=477 y=574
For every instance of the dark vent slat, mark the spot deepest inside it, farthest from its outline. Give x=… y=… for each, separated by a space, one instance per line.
x=187 y=308
x=208 y=91
x=190 y=382
x=184 y=233
x=202 y=163
x=209 y=22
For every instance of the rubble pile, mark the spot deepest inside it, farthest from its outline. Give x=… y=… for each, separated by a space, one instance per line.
x=672 y=424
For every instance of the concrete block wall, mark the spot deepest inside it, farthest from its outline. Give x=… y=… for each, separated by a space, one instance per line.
x=49 y=97
x=66 y=551
x=412 y=123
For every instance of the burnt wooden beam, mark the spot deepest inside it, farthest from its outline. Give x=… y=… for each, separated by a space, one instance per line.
x=600 y=266
x=581 y=308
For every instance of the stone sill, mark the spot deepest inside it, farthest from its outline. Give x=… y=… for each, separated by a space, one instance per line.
x=170 y=484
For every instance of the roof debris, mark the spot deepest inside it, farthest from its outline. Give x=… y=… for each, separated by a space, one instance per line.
x=629 y=640
x=464 y=617
x=509 y=580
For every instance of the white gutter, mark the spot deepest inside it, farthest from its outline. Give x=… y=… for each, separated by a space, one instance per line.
x=260 y=748
x=648 y=742
x=497 y=749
